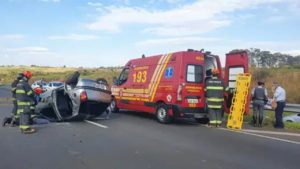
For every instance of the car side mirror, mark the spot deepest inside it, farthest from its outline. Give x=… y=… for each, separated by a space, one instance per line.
x=115 y=80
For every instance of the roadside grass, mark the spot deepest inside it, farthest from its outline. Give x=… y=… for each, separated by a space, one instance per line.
x=270 y=119
x=8 y=74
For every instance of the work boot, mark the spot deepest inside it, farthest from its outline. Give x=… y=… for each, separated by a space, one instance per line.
x=28 y=131
x=6 y=120
x=260 y=122
x=254 y=121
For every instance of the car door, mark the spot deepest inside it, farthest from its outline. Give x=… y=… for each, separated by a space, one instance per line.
x=236 y=63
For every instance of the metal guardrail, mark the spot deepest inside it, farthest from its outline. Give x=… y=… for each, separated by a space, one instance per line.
x=292 y=108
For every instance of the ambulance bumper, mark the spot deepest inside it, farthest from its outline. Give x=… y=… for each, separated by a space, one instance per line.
x=188 y=112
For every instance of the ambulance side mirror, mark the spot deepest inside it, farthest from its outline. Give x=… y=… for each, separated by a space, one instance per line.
x=115 y=81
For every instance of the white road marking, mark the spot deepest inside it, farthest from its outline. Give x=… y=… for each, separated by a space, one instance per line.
x=272 y=132
x=96 y=124
x=258 y=135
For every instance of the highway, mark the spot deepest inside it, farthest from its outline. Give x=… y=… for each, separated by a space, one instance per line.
x=131 y=140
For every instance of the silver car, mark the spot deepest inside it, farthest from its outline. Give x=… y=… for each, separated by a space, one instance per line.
x=292 y=118
x=85 y=99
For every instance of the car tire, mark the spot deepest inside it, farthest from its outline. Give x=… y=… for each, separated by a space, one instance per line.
x=162 y=114
x=113 y=106
x=202 y=120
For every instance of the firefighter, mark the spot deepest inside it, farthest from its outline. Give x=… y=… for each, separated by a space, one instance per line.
x=14 y=118
x=214 y=92
x=25 y=102
x=259 y=99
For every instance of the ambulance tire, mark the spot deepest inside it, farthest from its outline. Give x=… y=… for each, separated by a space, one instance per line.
x=202 y=120
x=162 y=114
x=113 y=106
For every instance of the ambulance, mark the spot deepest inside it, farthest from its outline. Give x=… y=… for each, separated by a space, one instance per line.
x=172 y=85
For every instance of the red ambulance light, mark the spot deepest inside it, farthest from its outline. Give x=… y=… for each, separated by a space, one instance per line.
x=83 y=96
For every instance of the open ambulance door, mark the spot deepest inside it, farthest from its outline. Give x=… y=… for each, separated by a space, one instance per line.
x=236 y=62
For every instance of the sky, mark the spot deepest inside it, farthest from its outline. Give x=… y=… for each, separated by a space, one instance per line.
x=94 y=33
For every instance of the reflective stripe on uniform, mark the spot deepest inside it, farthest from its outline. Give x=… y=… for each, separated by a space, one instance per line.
x=24 y=127
x=20 y=91
x=227 y=89
x=219 y=122
x=215 y=99
x=32 y=107
x=19 y=111
x=29 y=93
x=215 y=87
x=13 y=89
x=214 y=106
x=19 y=103
x=213 y=122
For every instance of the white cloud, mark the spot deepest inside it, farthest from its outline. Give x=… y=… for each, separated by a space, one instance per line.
x=50 y=0
x=95 y=4
x=76 y=37
x=29 y=50
x=198 y=17
x=177 y=41
x=12 y=37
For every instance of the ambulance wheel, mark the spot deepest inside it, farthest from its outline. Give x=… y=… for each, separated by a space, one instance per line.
x=113 y=106
x=162 y=114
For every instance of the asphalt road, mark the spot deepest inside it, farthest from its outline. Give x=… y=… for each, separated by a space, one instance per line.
x=136 y=141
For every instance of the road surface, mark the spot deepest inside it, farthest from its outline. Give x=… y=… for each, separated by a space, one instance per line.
x=132 y=140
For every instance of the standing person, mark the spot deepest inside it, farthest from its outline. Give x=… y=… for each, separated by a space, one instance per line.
x=280 y=98
x=259 y=98
x=13 y=118
x=25 y=102
x=13 y=91
x=214 y=92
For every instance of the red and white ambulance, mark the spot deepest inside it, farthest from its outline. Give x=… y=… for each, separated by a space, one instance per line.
x=172 y=85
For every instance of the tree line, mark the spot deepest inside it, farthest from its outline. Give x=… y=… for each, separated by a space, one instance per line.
x=266 y=59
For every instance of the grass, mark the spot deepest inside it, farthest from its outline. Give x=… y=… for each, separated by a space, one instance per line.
x=8 y=74
x=270 y=118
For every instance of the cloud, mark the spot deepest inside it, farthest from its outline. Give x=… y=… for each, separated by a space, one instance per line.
x=176 y=41
x=50 y=0
x=76 y=37
x=29 y=50
x=195 y=18
x=95 y=4
x=12 y=37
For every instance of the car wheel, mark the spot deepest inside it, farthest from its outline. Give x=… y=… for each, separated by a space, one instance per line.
x=113 y=106
x=202 y=120
x=162 y=114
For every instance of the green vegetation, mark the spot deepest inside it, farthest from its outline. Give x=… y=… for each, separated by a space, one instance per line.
x=8 y=74
x=270 y=119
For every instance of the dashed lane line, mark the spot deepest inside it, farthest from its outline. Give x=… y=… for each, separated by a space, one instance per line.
x=262 y=136
x=96 y=124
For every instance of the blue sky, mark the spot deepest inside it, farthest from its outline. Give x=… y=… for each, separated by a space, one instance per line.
x=110 y=32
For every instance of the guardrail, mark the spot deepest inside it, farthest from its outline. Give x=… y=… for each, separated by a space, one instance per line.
x=292 y=108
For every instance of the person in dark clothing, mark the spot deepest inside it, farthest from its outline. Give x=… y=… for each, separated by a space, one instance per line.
x=280 y=98
x=259 y=98
x=26 y=103
x=14 y=118
x=214 y=92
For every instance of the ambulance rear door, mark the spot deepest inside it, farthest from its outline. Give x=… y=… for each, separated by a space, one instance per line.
x=236 y=62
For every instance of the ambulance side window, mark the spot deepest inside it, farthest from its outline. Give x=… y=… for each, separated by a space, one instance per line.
x=123 y=76
x=194 y=73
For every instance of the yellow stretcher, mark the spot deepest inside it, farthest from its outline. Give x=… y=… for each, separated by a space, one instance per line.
x=237 y=109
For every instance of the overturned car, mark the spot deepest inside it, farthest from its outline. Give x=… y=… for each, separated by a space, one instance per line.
x=77 y=99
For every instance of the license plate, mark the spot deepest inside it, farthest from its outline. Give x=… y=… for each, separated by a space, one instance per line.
x=192 y=101
x=198 y=116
